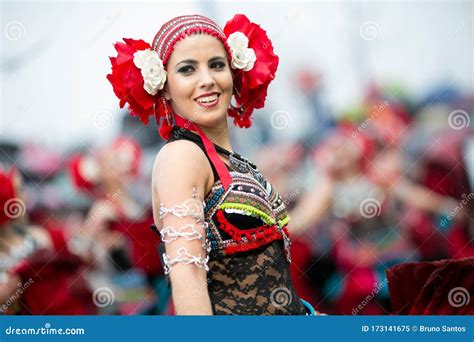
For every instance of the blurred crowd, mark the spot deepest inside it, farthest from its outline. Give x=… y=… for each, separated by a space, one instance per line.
x=385 y=182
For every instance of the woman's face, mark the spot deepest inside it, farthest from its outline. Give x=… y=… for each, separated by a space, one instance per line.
x=199 y=83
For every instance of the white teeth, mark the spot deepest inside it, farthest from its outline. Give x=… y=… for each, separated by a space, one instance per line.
x=207 y=99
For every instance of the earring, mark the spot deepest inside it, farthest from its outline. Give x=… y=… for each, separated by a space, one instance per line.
x=167 y=113
x=236 y=91
x=239 y=109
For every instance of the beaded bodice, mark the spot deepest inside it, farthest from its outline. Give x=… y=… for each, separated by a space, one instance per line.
x=249 y=245
x=250 y=214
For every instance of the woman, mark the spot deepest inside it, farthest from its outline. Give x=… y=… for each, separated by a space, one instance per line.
x=222 y=224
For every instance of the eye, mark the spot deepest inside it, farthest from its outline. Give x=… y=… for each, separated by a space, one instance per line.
x=217 y=65
x=186 y=69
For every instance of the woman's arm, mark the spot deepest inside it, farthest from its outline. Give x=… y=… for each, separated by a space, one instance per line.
x=312 y=208
x=424 y=199
x=386 y=171
x=180 y=175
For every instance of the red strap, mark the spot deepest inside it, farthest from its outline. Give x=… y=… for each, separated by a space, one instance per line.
x=220 y=166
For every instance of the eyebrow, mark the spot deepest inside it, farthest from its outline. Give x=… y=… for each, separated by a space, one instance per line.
x=193 y=61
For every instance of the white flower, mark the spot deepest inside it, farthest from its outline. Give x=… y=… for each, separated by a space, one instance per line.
x=242 y=56
x=153 y=72
x=238 y=41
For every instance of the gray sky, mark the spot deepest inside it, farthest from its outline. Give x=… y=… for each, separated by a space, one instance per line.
x=54 y=55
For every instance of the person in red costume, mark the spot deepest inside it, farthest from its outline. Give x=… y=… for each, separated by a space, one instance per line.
x=119 y=222
x=364 y=194
x=40 y=272
x=446 y=173
x=225 y=243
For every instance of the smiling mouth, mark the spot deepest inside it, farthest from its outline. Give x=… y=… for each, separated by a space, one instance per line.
x=208 y=101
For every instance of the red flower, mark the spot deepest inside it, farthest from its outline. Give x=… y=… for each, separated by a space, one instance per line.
x=252 y=85
x=127 y=81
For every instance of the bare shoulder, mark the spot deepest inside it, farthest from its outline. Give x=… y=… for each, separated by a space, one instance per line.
x=181 y=163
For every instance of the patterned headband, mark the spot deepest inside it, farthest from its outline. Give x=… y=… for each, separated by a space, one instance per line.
x=174 y=30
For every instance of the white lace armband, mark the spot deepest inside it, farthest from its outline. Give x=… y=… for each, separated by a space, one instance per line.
x=193 y=207
x=186 y=258
x=189 y=232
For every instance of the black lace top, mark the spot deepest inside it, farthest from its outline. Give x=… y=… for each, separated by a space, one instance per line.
x=249 y=260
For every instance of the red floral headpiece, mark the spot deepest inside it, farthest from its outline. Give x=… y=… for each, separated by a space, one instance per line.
x=7 y=193
x=138 y=72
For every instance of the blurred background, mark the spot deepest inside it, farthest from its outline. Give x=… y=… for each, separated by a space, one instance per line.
x=367 y=134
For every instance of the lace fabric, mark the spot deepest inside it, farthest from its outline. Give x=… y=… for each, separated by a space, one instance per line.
x=253 y=283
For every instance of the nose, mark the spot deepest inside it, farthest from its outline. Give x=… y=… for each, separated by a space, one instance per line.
x=206 y=79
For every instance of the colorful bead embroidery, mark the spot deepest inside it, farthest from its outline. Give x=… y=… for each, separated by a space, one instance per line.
x=263 y=203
